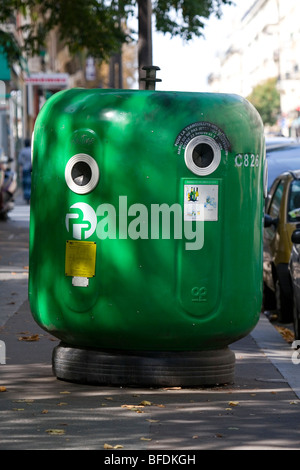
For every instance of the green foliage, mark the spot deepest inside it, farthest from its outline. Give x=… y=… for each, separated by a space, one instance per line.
x=265 y=97
x=185 y=18
x=95 y=25
x=10 y=48
x=91 y=25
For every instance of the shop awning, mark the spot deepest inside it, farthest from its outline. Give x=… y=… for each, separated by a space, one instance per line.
x=4 y=68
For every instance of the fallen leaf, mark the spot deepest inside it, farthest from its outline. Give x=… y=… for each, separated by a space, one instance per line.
x=56 y=431
x=172 y=388
x=219 y=435
x=195 y=437
x=145 y=439
x=2 y=389
x=287 y=334
x=130 y=407
x=44 y=412
x=233 y=403
x=25 y=400
x=153 y=420
x=136 y=408
x=64 y=392
x=18 y=409
x=107 y=446
x=146 y=403
x=29 y=338
x=61 y=404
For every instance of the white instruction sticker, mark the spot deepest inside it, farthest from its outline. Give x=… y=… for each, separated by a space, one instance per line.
x=201 y=202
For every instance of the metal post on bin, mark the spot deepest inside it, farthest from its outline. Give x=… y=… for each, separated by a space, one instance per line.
x=150 y=79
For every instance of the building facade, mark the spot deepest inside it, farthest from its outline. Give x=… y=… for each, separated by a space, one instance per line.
x=263 y=43
x=23 y=90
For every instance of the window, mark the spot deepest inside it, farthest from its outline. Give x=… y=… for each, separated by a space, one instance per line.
x=276 y=201
x=294 y=202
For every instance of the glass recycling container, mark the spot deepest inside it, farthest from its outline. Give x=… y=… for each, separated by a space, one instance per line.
x=146 y=233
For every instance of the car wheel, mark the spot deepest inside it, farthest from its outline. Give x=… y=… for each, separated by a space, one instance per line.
x=284 y=304
x=269 y=301
x=296 y=318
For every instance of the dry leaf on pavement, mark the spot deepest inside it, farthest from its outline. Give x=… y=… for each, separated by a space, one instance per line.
x=286 y=333
x=55 y=431
x=108 y=446
x=29 y=338
x=136 y=408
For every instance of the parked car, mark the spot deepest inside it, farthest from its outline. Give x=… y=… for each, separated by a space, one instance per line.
x=281 y=217
x=283 y=154
x=294 y=268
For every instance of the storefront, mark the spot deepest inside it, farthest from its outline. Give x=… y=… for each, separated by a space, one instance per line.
x=39 y=87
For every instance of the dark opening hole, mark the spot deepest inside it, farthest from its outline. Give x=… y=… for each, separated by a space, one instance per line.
x=203 y=155
x=81 y=173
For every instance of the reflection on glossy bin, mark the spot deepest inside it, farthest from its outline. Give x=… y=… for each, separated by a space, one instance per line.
x=146 y=233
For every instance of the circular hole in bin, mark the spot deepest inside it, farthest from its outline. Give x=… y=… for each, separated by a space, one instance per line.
x=202 y=155
x=82 y=173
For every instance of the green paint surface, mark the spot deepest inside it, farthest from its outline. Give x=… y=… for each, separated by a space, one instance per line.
x=147 y=293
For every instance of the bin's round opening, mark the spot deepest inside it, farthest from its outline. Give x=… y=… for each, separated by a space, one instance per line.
x=202 y=155
x=82 y=173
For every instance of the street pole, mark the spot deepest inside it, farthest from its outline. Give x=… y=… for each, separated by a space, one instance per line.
x=145 y=36
x=115 y=65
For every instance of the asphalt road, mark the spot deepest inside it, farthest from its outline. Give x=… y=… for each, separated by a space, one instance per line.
x=38 y=412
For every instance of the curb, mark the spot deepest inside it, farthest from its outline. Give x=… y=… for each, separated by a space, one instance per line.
x=278 y=351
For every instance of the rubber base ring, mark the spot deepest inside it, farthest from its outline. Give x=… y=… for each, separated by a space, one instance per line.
x=143 y=368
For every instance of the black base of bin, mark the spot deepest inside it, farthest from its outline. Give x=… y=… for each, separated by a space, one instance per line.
x=143 y=368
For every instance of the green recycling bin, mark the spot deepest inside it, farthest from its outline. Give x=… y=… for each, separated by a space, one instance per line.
x=146 y=233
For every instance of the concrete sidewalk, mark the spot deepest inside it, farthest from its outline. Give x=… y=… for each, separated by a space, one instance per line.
x=37 y=411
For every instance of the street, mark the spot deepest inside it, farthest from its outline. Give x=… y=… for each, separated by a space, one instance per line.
x=37 y=411
x=14 y=260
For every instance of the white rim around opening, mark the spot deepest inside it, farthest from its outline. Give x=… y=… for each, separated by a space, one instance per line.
x=87 y=188
x=188 y=155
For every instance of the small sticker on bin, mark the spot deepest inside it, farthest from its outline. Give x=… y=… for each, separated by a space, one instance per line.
x=201 y=202
x=80 y=259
